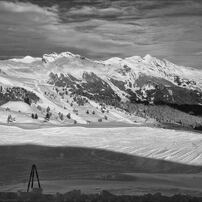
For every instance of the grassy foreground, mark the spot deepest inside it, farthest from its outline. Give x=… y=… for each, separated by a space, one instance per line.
x=104 y=196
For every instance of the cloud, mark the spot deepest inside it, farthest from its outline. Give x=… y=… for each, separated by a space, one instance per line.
x=109 y=13
x=117 y=28
x=21 y=7
x=198 y=53
x=23 y=29
x=25 y=15
x=93 y=11
x=176 y=8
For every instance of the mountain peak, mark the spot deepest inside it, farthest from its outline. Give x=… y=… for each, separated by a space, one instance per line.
x=148 y=57
x=153 y=60
x=48 y=58
x=26 y=59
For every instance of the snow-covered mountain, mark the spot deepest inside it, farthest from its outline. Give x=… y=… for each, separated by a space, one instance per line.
x=66 y=81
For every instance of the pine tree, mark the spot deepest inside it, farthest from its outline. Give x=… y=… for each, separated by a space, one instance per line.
x=47 y=116
x=36 y=116
x=61 y=116
x=69 y=116
x=48 y=109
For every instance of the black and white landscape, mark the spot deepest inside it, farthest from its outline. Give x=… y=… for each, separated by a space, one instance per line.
x=142 y=108
x=101 y=118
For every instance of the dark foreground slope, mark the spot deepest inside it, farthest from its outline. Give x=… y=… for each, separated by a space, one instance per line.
x=74 y=162
x=62 y=169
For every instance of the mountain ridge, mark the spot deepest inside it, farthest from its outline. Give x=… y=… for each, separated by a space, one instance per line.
x=113 y=82
x=147 y=63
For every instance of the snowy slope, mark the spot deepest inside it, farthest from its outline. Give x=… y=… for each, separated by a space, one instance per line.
x=18 y=106
x=178 y=146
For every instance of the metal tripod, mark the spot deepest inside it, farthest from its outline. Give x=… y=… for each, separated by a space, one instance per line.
x=31 y=178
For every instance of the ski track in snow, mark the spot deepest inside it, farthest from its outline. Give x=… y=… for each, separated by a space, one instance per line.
x=177 y=146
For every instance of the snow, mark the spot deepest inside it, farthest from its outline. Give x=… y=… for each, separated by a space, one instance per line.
x=170 y=92
x=45 y=102
x=67 y=62
x=171 y=145
x=26 y=59
x=19 y=117
x=148 y=87
x=114 y=60
x=148 y=58
x=76 y=65
x=18 y=106
x=5 y=81
x=54 y=56
x=35 y=79
x=119 y=92
x=177 y=146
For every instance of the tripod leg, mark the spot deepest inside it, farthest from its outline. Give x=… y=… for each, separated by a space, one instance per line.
x=30 y=176
x=32 y=180
x=37 y=178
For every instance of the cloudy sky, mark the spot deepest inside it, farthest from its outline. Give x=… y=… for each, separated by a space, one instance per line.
x=100 y=29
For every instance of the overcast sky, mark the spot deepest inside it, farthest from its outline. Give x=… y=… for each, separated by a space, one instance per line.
x=101 y=29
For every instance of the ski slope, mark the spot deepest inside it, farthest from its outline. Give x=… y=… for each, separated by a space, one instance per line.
x=18 y=106
x=177 y=146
